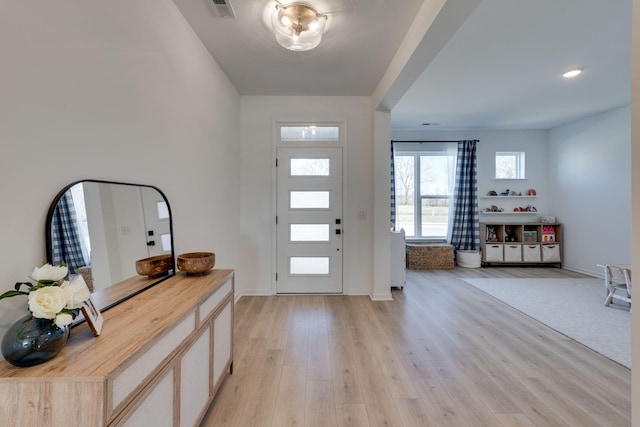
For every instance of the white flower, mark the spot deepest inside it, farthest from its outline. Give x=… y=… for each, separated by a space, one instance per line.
x=75 y=293
x=63 y=319
x=47 y=302
x=49 y=272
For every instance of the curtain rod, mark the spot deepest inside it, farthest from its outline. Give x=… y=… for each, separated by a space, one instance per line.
x=425 y=142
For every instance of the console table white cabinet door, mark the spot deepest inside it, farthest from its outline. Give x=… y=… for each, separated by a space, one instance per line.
x=195 y=383
x=222 y=345
x=154 y=410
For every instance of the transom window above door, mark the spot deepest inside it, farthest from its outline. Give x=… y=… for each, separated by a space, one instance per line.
x=313 y=133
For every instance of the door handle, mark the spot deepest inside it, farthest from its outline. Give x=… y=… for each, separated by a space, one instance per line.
x=151 y=243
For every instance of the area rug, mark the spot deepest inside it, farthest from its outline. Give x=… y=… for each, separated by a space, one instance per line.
x=573 y=307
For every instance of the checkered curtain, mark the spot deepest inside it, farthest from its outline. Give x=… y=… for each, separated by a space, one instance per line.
x=465 y=227
x=64 y=234
x=393 y=191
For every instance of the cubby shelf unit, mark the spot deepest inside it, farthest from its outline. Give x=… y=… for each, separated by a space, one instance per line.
x=521 y=243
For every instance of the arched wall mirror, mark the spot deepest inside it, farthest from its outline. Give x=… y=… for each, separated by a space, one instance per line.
x=101 y=228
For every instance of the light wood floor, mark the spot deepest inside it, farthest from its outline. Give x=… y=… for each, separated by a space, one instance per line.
x=441 y=354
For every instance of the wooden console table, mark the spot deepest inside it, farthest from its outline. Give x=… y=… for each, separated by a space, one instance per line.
x=159 y=361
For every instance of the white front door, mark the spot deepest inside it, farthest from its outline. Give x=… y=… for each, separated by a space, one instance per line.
x=309 y=220
x=156 y=218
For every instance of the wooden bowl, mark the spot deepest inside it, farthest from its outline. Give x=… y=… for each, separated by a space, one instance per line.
x=155 y=266
x=195 y=263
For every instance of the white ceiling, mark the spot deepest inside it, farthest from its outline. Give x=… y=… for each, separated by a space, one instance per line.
x=501 y=69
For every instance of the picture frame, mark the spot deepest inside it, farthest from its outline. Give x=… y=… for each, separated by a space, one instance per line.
x=93 y=316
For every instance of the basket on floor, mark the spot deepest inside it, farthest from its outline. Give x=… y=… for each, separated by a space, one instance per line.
x=429 y=256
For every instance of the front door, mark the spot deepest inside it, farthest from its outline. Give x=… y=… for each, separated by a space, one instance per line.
x=309 y=220
x=156 y=218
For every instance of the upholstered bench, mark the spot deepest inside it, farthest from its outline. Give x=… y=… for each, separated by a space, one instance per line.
x=429 y=256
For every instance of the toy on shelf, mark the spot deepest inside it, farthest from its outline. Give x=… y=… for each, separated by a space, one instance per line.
x=509 y=235
x=548 y=233
x=491 y=236
x=528 y=208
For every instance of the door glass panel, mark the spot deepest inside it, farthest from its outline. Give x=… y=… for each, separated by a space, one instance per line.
x=163 y=210
x=309 y=232
x=309 y=167
x=316 y=266
x=309 y=200
x=165 y=241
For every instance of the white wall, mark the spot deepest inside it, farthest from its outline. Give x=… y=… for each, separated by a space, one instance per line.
x=259 y=115
x=532 y=142
x=381 y=202
x=635 y=205
x=120 y=90
x=590 y=168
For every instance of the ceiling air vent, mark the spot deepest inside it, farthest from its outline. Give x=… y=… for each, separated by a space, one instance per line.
x=223 y=9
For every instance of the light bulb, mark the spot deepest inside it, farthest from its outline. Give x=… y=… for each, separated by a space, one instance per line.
x=572 y=73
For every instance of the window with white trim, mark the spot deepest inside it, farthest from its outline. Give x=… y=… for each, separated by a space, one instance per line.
x=510 y=165
x=424 y=182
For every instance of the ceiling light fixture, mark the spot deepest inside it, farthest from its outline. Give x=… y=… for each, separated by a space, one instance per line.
x=572 y=73
x=297 y=26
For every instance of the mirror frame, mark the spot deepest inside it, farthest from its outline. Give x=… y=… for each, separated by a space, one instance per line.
x=126 y=291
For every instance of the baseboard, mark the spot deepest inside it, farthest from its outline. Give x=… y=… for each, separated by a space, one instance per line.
x=583 y=271
x=350 y=292
x=357 y=292
x=381 y=297
x=252 y=293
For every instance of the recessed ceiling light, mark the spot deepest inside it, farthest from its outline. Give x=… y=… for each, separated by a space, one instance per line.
x=572 y=73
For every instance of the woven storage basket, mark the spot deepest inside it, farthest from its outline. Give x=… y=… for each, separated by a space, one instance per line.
x=429 y=256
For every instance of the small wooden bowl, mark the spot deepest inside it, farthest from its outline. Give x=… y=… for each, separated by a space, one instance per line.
x=196 y=263
x=155 y=266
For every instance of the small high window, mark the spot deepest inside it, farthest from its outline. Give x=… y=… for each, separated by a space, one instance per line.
x=510 y=165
